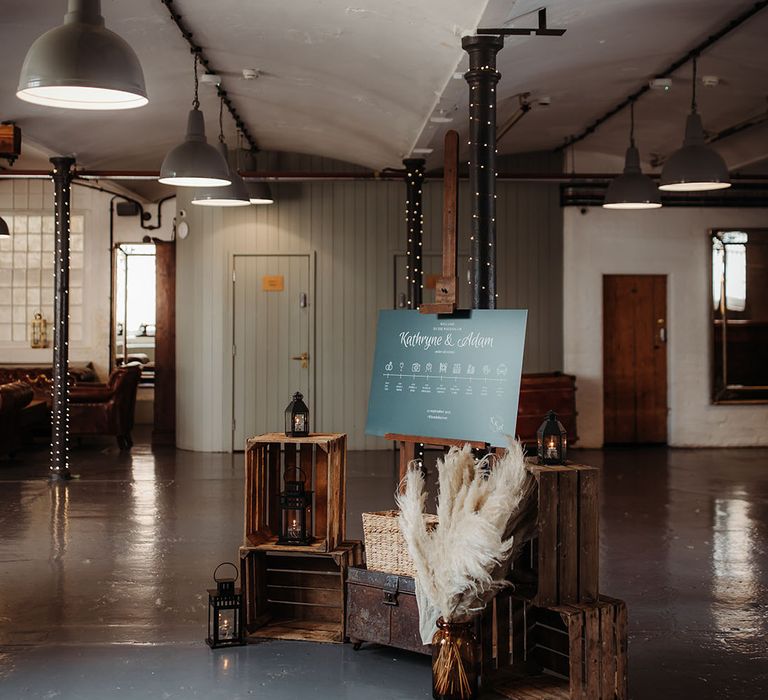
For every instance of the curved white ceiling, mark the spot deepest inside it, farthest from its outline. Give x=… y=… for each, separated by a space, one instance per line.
x=358 y=81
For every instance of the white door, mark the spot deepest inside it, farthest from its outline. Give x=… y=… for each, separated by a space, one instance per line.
x=272 y=354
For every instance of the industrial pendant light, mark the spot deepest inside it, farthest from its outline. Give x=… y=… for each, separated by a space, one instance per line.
x=632 y=189
x=82 y=65
x=233 y=195
x=4 y=230
x=260 y=193
x=194 y=162
x=695 y=167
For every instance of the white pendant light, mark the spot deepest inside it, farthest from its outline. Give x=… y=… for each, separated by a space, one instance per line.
x=632 y=189
x=194 y=162
x=696 y=167
x=233 y=195
x=82 y=65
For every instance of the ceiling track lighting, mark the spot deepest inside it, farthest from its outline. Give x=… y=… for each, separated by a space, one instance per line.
x=632 y=189
x=696 y=167
x=82 y=65
x=194 y=162
x=235 y=194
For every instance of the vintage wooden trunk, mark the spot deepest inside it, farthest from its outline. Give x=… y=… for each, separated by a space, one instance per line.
x=561 y=564
x=382 y=608
x=540 y=393
x=323 y=459
x=577 y=652
x=297 y=594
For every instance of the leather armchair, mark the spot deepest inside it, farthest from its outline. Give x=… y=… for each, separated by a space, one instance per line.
x=106 y=409
x=14 y=397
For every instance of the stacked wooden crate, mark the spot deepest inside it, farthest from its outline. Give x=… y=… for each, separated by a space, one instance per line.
x=554 y=635
x=296 y=591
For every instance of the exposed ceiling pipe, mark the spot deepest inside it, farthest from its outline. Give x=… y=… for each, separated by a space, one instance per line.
x=365 y=176
x=523 y=108
x=197 y=49
x=668 y=71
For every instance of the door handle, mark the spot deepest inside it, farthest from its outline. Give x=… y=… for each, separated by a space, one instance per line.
x=303 y=358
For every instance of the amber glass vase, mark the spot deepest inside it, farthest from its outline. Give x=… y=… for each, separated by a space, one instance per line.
x=454 y=666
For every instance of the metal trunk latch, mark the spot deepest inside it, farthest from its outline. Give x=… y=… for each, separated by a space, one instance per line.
x=390 y=592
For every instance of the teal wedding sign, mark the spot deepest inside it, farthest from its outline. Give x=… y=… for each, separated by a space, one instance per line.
x=454 y=377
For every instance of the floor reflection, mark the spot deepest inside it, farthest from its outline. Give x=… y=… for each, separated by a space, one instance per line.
x=108 y=573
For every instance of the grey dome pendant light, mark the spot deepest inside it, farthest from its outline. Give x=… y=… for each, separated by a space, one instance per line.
x=194 y=162
x=4 y=230
x=695 y=167
x=233 y=195
x=260 y=193
x=82 y=65
x=632 y=189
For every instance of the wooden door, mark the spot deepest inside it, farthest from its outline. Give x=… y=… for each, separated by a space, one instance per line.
x=271 y=348
x=164 y=429
x=635 y=358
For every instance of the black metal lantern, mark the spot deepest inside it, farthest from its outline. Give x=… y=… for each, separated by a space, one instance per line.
x=297 y=417
x=296 y=513
x=225 y=611
x=552 y=441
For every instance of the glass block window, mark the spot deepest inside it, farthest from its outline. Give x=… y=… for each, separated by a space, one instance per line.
x=26 y=276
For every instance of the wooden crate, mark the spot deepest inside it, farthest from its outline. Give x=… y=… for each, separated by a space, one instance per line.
x=566 y=651
x=323 y=459
x=297 y=595
x=561 y=564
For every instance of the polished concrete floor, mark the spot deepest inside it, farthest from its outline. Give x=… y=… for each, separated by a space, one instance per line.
x=102 y=579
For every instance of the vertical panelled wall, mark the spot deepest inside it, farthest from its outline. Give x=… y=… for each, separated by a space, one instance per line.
x=353 y=230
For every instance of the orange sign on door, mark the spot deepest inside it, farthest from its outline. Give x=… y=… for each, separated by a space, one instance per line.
x=273 y=283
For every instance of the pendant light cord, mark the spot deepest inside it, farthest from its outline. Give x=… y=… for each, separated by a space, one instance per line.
x=632 y=124
x=221 y=120
x=196 y=101
x=693 y=93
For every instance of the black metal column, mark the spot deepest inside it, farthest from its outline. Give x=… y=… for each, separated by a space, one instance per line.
x=482 y=78
x=62 y=180
x=414 y=226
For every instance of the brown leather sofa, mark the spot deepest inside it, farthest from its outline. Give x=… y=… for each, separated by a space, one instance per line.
x=14 y=398
x=106 y=409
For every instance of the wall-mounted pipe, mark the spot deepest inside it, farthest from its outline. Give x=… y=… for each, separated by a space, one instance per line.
x=367 y=176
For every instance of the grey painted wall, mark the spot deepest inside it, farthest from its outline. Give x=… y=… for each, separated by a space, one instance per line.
x=354 y=230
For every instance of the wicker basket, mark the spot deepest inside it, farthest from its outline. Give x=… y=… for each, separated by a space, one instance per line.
x=385 y=548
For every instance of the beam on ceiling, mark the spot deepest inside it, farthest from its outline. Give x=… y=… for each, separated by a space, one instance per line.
x=668 y=71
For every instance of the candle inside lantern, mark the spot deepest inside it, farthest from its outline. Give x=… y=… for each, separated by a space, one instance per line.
x=225 y=627
x=551 y=452
x=298 y=423
x=294 y=530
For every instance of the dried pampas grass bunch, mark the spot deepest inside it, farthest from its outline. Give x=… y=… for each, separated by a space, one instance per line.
x=485 y=515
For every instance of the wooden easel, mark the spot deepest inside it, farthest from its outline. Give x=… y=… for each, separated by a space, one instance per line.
x=445 y=294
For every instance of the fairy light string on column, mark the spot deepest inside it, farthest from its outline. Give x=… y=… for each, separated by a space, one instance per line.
x=62 y=180
x=482 y=78
x=414 y=228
